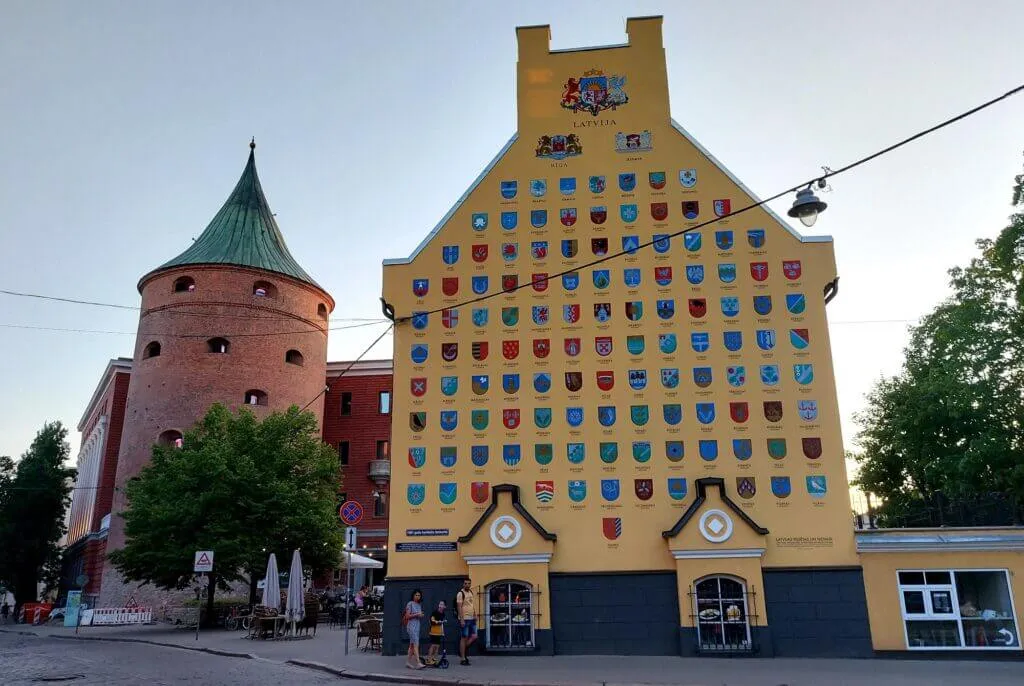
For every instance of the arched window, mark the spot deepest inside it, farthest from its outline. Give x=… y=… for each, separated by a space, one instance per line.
x=510 y=612
x=721 y=609
x=151 y=350
x=171 y=437
x=294 y=357
x=255 y=397
x=264 y=289
x=218 y=345
x=321 y=310
x=184 y=284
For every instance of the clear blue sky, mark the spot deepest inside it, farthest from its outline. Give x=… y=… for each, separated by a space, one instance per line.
x=124 y=127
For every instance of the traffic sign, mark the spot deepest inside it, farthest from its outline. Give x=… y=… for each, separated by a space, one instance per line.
x=203 y=561
x=351 y=512
x=351 y=534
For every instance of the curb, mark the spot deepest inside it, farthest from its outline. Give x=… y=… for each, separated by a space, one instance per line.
x=117 y=639
x=381 y=677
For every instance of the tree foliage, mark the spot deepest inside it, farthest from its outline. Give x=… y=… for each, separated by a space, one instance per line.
x=34 y=495
x=949 y=426
x=239 y=486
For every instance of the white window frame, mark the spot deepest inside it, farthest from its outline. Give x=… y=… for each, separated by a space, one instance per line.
x=930 y=615
x=721 y=621
x=509 y=607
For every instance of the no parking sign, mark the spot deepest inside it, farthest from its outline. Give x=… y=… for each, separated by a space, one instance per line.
x=350 y=512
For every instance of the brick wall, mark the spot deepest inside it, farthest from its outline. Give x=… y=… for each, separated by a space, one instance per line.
x=117 y=396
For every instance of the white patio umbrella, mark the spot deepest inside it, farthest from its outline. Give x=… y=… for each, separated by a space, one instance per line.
x=355 y=561
x=295 y=603
x=271 y=587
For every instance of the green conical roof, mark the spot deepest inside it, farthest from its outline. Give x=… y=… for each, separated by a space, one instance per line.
x=243 y=233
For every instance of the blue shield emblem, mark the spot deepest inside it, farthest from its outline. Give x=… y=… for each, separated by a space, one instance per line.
x=674 y=450
x=673 y=413
x=781 y=487
x=639 y=414
x=631 y=244
x=803 y=373
x=538 y=218
x=511 y=454
x=538 y=187
x=419 y=320
x=509 y=189
x=577 y=490
x=602 y=279
x=627 y=182
x=570 y=246
x=543 y=453
x=606 y=415
x=796 y=303
x=702 y=376
x=631 y=277
x=609 y=452
x=736 y=375
x=571 y=282
x=766 y=339
x=415 y=493
x=449 y=456
x=770 y=374
x=575 y=452
x=610 y=489
x=635 y=344
x=449 y=385
x=642 y=451
x=708 y=450
x=479 y=316
x=419 y=353
x=628 y=213
x=542 y=382
x=730 y=307
x=661 y=243
x=596 y=184
x=763 y=304
x=541 y=314
x=567 y=185
x=705 y=413
x=542 y=417
x=510 y=316
x=479 y=221
x=417 y=457
x=807 y=409
x=667 y=343
x=634 y=310
x=479 y=284
x=420 y=287
x=695 y=272
x=799 y=338
x=670 y=377
x=691 y=240
x=638 y=379
x=510 y=383
x=676 y=488
x=449 y=420
x=726 y=272
x=574 y=416
x=733 y=340
x=817 y=486
x=755 y=238
x=723 y=239
x=741 y=448
x=480 y=383
x=700 y=342
x=666 y=308
x=509 y=220
x=450 y=254
x=479 y=454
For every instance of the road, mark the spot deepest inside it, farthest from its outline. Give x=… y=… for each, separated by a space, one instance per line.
x=31 y=660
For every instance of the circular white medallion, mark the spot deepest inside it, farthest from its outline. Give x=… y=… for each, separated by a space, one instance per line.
x=506 y=531
x=715 y=526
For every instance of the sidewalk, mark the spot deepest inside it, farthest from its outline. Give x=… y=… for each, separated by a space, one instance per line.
x=326 y=652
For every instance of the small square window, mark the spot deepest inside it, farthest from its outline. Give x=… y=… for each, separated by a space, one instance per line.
x=346 y=404
x=383 y=450
x=384 y=402
x=343 y=453
x=913 y=601
x=912 y=578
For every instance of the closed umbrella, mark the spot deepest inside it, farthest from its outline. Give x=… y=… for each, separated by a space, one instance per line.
x=271 y=587
x=295 y=604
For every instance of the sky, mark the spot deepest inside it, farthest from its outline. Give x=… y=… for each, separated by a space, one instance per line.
x=124 y=127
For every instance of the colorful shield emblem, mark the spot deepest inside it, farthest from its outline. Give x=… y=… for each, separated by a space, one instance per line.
x=635 y=344
x=667 y=343
x=541 y=347
x=542 y=417
x=509 y=221
x=722 y=207
x=541 y=314
x=781 y=487
x=449 y=351
x=776 y=448
x=538 y=187
x=510 y=417
x=509 y=189
x=702 y=376
x=567 y=185
x=698 y=307
x=770 y=374
x=817 y=486
x=799 y=338
x=628 y=212
x=538 y=218
x=419 y=353
x=670 y=377
x=417 y=421
x=479 y=221
x=539 y=281
x=803 y=373
x=672 y=413
x=659 y=211
x=480 y=384
x=609 y=452
x=480 y=349
x=639 y=414
x=480 y=419
x=691 y=210
x=543 y=453
x=742 y=449
x=687 y=178
x=792 y=269
x=807 y=409
x=479 y=284
x=598 y=214
x=450 y=254
x=706 y=413
x=674 y=451
x=571 y=281
x=611 y=527
x=773 y=410
x=730 y=306
x=449 y=385
x=733 y=340
x=602 y=312
x=597 y=184
x=755 y=238
x=634 y=310
x=700 y=342
x=759 y=271
x=420 y=320
x=599 y=246
x=746 y=487
x=726 y=272
x=450 y=317
x=656 y=180
x=627 y=182
x=480 y=491
x=511 y=454
x=510 y=383
x=642 y=451
x=417 y=457
x=571 y=313
x=449 y=456
x=631 y=277
x=736 y=375
x=606 y=415
x=811 y=447
x=510 y=316
x=572 y=346
x=663 y=275
x=576 y=452
x=677 y=488
x=573 y=381
x=570 y=246
x=661 y=243
x=420 y=287
x=602 y=278
x=418 y=386
x=509 y=282
x=739 y=412
x=415 y=493
x=796 y=303
x=542 y=382
x=763 y=304
x=539 y=250
x=603 y=345
x=643 y=488
x=637 y=379
x=708 y=450
x=630 y=244
x=510 y=349
x=509 y=251
x=610 y=491
x=723 y=240
x=449 y=420
x=666 y=308
x=567 y=215
x=577 y=490
x=480 y=252
x=765 y=338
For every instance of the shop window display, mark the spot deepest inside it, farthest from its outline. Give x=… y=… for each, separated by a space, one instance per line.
x=723 y=622
x=510 y=616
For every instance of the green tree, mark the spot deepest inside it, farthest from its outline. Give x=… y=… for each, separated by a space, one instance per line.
x=34 y=495
x=241 y=487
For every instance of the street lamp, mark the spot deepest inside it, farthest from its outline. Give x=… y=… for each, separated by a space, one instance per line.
x=807 y=206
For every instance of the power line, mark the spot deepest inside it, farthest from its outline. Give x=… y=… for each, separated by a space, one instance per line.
x=350 y=365
x=198 y=335
x=829 y=173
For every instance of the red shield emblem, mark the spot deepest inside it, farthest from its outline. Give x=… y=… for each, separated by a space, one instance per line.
x=812 y=447
x=606 y=380
x=450 y=285
x=723 y=207
x=481 y=491
x=573 y=381
x=510 y=418
x=571 y=313
x=418 y=386
x=611 y=527
x=644 y=488
x=449 y=317
x=759 y=271
x=598 y=215
x=509 y=282
x=510 y=349
x=740 y=412
x=449 y=351
x=698 y=307
x=541 y=347
x=572 y=347
x=480 y=350
x=792 y=269
x=659 y=210
x=603 y=345
x=567 y=216
x=480 y=253
x=663 y=275
x=540 y=282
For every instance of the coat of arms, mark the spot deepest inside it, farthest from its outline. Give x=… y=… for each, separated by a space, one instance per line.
x=558 y=146
x=633 y=142
x=594 y=92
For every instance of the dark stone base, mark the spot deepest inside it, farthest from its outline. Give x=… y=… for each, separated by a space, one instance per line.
x=976 y=655
x=760 y=637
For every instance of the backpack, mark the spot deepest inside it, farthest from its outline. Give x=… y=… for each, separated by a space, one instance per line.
x=405 y=616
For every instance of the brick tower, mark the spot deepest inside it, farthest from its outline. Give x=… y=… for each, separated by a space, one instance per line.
x=233 y=319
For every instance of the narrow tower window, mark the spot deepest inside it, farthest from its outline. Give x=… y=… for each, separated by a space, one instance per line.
x=321 y=310
x=294 y=357
x=264 y=289
x=151 y=350
x=184 y=284
x=255 y=397
x=218 y=345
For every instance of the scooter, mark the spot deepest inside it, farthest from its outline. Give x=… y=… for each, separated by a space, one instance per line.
x=441 y=661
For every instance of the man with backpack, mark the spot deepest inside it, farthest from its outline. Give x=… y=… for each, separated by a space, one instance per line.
x=465 y=610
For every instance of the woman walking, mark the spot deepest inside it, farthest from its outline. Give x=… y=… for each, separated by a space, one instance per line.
x=411 y=619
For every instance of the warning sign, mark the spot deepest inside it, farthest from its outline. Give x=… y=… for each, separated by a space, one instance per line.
x=203 y=561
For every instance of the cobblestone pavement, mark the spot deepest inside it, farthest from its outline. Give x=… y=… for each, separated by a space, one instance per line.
x=30 y=660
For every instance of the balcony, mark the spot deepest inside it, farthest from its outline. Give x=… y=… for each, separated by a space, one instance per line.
x=380 y=471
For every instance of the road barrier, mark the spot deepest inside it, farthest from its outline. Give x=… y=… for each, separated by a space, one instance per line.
x=121 y=615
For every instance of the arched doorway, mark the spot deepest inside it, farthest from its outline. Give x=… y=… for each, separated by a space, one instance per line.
x=510 y=616
x=721 y=614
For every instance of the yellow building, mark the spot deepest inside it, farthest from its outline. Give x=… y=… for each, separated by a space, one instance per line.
x=625 y=435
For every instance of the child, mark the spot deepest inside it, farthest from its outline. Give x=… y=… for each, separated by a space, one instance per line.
x=436 y=633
